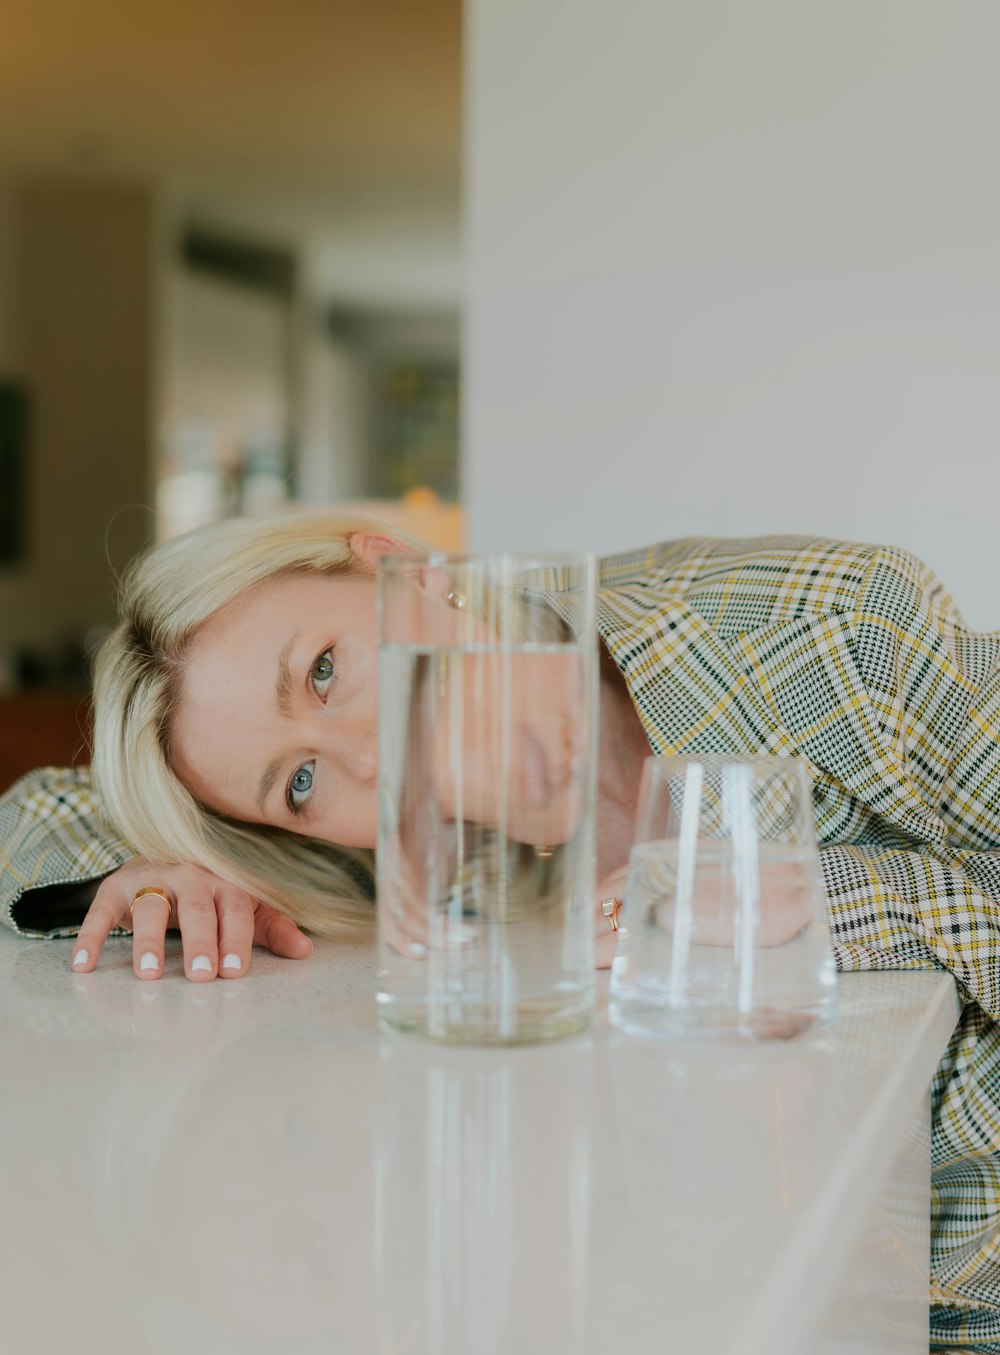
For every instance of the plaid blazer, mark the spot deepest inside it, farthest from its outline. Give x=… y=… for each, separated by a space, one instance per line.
x=855 y=659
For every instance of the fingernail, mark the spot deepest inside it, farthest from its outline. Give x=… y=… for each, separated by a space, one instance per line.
x=232 y=962
x=201 y=962
x=149 y=961
x=81 y=957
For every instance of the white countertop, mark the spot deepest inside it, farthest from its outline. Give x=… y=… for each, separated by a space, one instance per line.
x=250 y=1166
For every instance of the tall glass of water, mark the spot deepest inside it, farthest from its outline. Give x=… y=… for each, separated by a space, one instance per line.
x=487 y=743
x=723 y=931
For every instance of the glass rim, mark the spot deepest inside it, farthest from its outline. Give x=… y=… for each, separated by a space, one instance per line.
x=716 y=760
x=438 y=559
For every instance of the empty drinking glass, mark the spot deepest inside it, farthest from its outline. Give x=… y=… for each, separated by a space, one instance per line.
x=723 y=931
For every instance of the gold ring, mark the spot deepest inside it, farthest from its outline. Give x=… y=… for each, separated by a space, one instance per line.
x=611 y=908
x=154 y=890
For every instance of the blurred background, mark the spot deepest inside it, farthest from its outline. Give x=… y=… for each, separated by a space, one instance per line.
x=229 y=280
x=725 y=268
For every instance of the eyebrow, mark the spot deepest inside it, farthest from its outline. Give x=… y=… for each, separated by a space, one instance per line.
x=267 y=781
x=283 y=695
x=284 y=684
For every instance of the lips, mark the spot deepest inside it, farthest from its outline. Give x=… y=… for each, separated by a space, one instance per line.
x=536 y=782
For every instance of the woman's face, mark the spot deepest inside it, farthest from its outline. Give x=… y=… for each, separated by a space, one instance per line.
x=276 y=719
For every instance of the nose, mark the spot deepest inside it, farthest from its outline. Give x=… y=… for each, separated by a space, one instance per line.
x=366 y=762
x=355 y=751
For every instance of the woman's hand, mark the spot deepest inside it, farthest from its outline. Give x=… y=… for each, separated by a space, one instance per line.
x=219 y=924
x=787 y=905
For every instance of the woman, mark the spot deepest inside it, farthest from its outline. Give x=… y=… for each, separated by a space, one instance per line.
x=235 y=729
x=238 y=693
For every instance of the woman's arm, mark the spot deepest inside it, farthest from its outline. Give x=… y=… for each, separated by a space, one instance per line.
x=917 y=908
x=54 y=851
x=854 y=658
x=63 y=873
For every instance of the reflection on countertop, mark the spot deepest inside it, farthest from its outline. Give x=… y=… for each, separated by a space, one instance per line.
x=249 y=1165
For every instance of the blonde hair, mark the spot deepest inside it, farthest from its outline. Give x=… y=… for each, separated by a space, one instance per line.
x=165 y=596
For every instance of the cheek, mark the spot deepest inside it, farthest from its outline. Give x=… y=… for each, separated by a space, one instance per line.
x=354 y=824
x=218 y=744
x=204 y=764
x=221 y=763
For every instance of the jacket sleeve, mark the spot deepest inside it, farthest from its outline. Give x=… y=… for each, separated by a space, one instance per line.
x=897 y=708
x=921 y=884
x=917 y=908
x=54 y=851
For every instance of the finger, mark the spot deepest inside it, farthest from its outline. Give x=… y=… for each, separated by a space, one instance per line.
x=406 y=918
x=150 y=919
x=236 y=930
x=402 y=937
x=199 y=924
x=605 y=945
x=103 y=915
x=280 y=934
x=612 y=887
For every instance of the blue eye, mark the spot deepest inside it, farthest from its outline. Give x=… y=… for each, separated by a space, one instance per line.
x=322 y=673
x=300 y=786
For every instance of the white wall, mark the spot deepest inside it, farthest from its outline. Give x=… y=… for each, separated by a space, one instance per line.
x=735 y=267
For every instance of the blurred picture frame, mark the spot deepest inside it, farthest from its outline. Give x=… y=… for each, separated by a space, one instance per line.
x=416 y=422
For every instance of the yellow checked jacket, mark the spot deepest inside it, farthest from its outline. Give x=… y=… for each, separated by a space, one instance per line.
x=854 y=659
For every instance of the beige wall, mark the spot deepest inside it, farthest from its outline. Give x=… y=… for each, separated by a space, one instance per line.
x=81 y=322
x=334 y=415
x=226 y=357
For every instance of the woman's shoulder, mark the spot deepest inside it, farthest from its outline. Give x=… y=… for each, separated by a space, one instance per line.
x=757 y=576
x=696 y=557
x=743 y=583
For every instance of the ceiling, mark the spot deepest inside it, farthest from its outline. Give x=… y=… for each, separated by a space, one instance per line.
x=333 y=122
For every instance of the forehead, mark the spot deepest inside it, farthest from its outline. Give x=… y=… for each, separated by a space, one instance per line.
x=281 y=603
